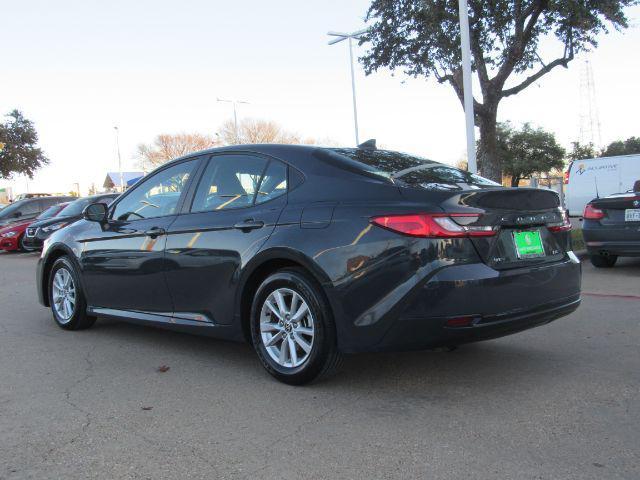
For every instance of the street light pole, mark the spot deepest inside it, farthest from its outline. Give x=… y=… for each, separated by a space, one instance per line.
x=119 y=158
x=350 y=36
x=465 y=46
x=235 y=114
x=353 y=89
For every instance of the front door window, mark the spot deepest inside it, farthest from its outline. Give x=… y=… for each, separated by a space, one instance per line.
x=156 y=196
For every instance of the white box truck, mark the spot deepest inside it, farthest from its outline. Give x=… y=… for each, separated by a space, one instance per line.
x=598 y=177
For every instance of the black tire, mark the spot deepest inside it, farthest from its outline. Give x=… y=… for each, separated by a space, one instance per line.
x=323 y=358
x=24 y=248
x=602 y=261
x=79 y=320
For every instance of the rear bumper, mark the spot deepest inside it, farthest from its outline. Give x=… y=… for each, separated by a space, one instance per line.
x=493 y=303
x=418 y=334
x=621 y=249
x=622 y=241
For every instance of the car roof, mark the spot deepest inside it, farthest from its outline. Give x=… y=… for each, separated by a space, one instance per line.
x=284 y=151
x=101 y=195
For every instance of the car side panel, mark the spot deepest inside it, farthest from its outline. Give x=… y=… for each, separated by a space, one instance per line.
x=369 y=270
x=205 y=256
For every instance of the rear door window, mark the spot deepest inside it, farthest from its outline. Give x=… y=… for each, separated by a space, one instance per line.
x=274 y=182
x=228 y=182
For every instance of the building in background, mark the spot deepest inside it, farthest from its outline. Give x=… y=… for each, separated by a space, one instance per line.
x=5 y=195
x=112 y=181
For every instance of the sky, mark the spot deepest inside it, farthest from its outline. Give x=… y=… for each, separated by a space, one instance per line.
x=79 y=68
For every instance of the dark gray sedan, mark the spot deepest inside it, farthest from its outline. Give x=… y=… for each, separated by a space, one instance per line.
x=611 y=227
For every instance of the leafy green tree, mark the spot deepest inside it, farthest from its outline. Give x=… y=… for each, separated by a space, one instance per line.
x=422 y=38
x=581 y=151
x=527 y=151
x=630 y=146
x=19 y=154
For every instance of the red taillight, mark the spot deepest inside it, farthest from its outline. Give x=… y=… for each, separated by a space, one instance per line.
x=434 y=225
x=566 y=176
x=565 y=226
x=592 y=213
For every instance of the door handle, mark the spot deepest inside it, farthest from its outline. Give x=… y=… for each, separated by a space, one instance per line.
x=248 y=224
x=155 y=232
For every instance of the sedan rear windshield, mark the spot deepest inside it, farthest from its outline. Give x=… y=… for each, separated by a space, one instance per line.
x=411 y=170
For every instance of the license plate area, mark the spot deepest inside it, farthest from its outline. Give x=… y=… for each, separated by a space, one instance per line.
x=632 y=215
x=528 y=244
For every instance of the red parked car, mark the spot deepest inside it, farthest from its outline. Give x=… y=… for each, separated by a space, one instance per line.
x=12 y=236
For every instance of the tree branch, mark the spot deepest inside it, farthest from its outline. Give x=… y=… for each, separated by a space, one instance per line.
x=519 y=41
x=543 y=71
x=481 y=66
x=455 y=80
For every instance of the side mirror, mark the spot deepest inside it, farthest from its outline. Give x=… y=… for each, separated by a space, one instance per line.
x=96 y=212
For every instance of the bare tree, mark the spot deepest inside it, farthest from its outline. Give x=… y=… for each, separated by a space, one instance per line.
x=462 y=164
x=166 y=147
x=251 y=130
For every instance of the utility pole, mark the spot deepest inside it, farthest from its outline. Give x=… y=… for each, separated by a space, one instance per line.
x=465 y=46
x=350 y=37
x=119 y=158
x=235 y=114
x=589 y=116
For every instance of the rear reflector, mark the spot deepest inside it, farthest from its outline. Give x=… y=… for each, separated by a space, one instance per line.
x=592 y=213
x=565 y=226
x=435 y=225
x=460 y=322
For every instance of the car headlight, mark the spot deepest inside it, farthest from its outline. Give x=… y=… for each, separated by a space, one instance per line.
x=54 y=227
x=12 y=233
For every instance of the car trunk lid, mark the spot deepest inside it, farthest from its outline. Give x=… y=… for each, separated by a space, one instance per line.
x=619 y=210
x=528 y=223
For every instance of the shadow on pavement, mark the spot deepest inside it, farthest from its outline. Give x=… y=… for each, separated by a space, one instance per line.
x=486 y=366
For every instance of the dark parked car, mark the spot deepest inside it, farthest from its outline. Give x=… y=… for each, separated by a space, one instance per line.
x=309 y=252
x=611 y=227
x=28 y=209
x=38 y=232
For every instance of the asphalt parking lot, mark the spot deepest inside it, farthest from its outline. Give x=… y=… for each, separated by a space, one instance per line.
x=557 y=402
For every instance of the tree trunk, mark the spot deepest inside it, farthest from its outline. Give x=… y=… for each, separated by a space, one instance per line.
x=488 y=160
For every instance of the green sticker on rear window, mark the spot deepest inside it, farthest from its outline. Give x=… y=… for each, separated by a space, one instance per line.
x=528 y=244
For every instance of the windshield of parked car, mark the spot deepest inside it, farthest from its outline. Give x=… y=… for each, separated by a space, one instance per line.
x=11 y=209
x=75 y=208
x=49 y=212
x=411 y=170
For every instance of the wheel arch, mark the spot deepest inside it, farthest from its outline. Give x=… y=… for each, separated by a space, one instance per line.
x=261 y=267
x=54 y=253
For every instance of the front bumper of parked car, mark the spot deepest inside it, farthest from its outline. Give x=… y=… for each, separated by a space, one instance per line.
x=35 y=239
x=9 y=243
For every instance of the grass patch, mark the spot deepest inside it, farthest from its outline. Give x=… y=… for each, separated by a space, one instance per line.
x=577 y=239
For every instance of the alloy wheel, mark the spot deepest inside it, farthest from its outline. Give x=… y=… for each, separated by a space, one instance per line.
x=287 y=328
x=64 y=294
